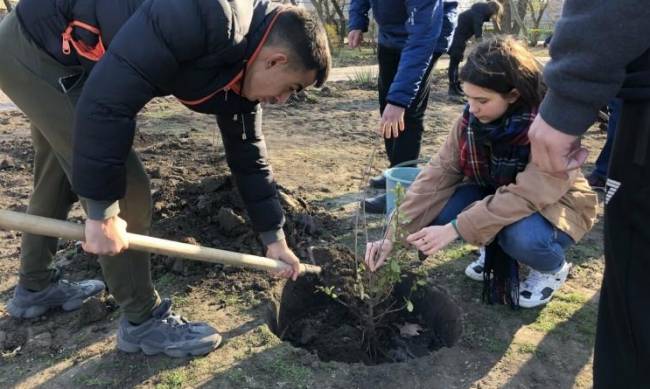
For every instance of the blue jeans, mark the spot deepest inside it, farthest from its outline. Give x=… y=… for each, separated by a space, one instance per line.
x=603 y=158
x=533 y=240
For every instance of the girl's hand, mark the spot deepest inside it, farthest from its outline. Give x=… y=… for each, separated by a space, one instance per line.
x=392 y=121
x=431 y=239
x=377 y=252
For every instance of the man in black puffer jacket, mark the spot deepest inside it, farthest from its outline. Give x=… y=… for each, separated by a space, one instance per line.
x=82 y=70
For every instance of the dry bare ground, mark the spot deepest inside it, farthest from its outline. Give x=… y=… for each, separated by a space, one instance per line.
x=318 y=148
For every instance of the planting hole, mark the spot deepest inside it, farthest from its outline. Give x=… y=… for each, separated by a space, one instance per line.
x=310 y=319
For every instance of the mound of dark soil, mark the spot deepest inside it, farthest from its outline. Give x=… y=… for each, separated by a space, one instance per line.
x=195 y=201
x=192 y=204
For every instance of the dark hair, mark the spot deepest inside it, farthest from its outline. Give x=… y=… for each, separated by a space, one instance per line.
x=497 y=9
x=304 y=36
x=501 y=64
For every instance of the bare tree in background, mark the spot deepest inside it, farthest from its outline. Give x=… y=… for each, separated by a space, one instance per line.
x=523 y=17
x=537 y=9
x=331 y=13
x=514 y=13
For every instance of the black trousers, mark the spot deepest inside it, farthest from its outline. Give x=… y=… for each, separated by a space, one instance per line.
x=406 y=147
x=452 y=73
x=622 y=354
x=456 y=53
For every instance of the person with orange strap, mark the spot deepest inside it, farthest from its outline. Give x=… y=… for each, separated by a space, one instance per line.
x=82 y=70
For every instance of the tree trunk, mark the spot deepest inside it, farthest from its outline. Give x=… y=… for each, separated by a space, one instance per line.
x=537 y=18
x=319 y=9
x=514 y=13
x=7 y=5
x=342 y=23
x=518 y=16
x=320 y=6
x=506 y=21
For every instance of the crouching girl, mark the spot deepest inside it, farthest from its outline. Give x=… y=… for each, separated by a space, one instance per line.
x=481 y=186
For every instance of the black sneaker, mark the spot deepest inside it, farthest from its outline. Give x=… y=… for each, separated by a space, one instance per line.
x=456 y=95
x=62 y=293
x=167 y=333
x=377 y=182
x=455 y=90
x=376 y=204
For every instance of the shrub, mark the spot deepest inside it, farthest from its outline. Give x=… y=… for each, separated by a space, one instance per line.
x=370 y=298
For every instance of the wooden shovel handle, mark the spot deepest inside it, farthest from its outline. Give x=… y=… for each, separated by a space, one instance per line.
x=38 y=225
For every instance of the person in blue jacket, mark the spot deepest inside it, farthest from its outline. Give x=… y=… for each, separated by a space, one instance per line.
x=412 y=36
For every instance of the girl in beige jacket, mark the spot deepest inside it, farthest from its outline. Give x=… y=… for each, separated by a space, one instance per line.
x=481 y=185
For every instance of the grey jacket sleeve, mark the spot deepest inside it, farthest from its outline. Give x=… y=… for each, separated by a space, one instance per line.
x=591 y=46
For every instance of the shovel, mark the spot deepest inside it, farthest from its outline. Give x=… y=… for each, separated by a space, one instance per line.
x=38 y=225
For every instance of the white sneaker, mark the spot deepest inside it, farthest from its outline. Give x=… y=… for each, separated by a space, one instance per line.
x=538 y=288
x=475 y=269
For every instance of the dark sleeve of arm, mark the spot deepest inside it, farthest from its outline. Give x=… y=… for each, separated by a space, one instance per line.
x=449 y=21
x=423 y=26
x=140 y=64
x=478 y=18
x=591 y=46
x=358 y=15
x=247 y=158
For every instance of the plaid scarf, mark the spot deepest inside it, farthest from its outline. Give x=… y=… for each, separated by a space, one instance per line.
x=500 y=277
x=493 y=154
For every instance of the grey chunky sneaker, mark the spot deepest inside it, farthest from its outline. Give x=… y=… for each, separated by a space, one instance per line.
x=167 y=333
x=61 y=293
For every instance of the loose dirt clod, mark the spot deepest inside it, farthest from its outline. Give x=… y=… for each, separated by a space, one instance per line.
x=40 y=343
x=230 y=224
x=94 y=309
x=7 y=162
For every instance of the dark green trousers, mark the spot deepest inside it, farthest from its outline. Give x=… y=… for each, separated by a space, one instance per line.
x=30 y=77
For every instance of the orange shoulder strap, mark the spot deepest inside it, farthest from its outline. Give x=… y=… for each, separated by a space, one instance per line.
x=82 y=49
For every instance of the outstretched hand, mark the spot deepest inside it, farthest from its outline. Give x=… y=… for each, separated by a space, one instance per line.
x=431 y=239
x=377 y=253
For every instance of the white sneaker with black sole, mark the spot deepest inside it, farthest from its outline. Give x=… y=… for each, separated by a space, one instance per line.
x=538 y=288
x=475 y=269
